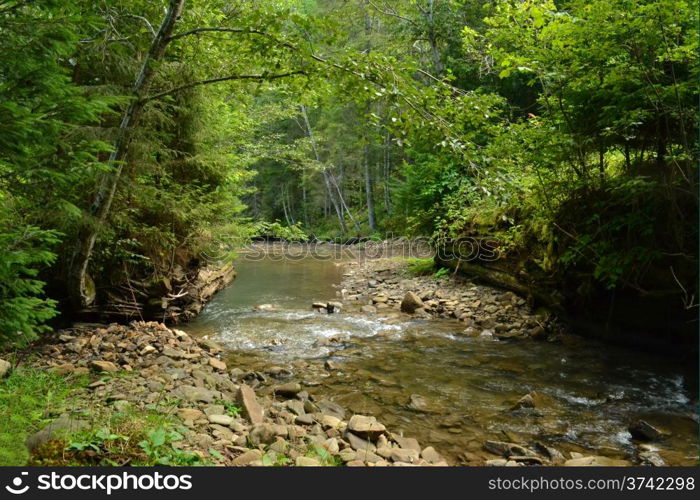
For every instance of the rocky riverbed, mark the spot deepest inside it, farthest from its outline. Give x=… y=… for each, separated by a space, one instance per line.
x=383 y=286
x=143 y=364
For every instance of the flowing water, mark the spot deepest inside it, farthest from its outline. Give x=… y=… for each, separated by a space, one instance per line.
x=422 y=378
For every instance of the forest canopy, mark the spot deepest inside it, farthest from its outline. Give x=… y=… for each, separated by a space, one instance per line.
x=136 y=135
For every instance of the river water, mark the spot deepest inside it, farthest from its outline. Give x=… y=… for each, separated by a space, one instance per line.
x=422 y=378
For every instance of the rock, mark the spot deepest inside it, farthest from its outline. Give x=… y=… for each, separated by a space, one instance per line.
x=62 y=424
x=330 y=408
x=367 y=456
x=330 y=365
x=498 y=462
x=418 y=403
x=368 y=309
x=407 y=443
x=335 y=307
x=411 y=302
x=288 y=390
x=380 y=299
x=200 y=394
x=189 y=414
x=217 y=364
x=508 y=449
x=319 y=305
x=347 y=455
x=532 y=400
x=304 y=420
x=214 y=410
x=174 y=353
x=296 y=407
x=357 y=443
x=307 y=462
x=247 y=458
x=149 y=349
x=250 y=404
x=262 y=434
x=210 y=345
x=103 y=366
x=224 y=420
x=644 y=431
x=431 y=456
x=330 y=422
x=405 y=455
x=596 y=462
x=366 y=427
x=64 y=369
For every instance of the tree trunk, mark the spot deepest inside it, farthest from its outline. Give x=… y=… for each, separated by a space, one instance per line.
x=369 y=188
x=326 y=179
x=76 y=279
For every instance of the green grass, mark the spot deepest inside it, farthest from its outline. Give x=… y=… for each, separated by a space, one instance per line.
x=420 y=267
x=29 y=399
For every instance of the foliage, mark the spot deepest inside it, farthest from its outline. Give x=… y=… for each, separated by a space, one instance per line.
x=29 y=399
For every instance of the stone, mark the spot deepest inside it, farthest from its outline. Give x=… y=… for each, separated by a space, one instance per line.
x=304 y=419
x=63 y=424
x=366 y=427
x=103 y=366
x=210 y=345
x=63 y=369
x=247 y=458
x=431 y=456
x=149 y=349
x=290 y=389
x=644 y=431
x=330 y=408
x=296 y=407
x=367 y=456
x=224 y=420
x=357 y=443
x=411 y=302
x=418 y=403
x=330 y=422
x=532 y=400
x=189 y=414
x=174 y=353
x=368 y=309
x=198 y=394
x=594 y=461
x=347 y=455
x=247 y=399
x=498 y=462
x=4 y=368
x=214 y=410
x=217 y=364
x=334 y=307
x=508 y=449
x=408 y=443
x=262 y=434
x=307 y=462
x=405 y=455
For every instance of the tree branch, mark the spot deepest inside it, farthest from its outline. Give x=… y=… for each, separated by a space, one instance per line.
x=392 y=14
x=145 y=21
x=251 y=31
x=222 y=79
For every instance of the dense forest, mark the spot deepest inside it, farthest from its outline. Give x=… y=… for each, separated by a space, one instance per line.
x=139 y=138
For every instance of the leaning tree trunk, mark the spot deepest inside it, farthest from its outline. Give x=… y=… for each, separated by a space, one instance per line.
x=102 y=203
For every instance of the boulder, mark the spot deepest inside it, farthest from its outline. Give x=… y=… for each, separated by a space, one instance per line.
x=63 y=424
x=431 y=456
x=357 y=443
x=198 y=394
x=369 y=309
x=405 y=455
x=247 y=398
x=366 y=427
x=411 y=302
x=407 y=443
x=532 y=400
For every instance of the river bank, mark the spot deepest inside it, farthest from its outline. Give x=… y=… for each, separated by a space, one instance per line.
x=461 y=374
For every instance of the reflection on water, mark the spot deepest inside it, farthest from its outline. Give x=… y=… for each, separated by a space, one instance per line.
x=450 y=391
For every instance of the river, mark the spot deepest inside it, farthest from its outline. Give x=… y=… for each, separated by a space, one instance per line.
x=423 y=378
